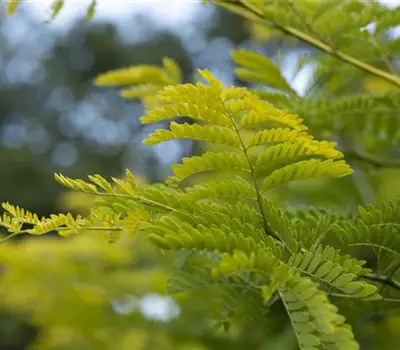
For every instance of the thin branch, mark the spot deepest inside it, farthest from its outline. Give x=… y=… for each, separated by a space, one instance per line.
x=385 y=280
x=255 y=14
x=340 y=295
x=346 y=296
x=143 y=200
x=360 y=179
x=375 y=161
x=391 y=300
x=377 y=246
x=391 y=274
x=140 y=199
x=93 y=228
x=321 y=79
x=12 y=235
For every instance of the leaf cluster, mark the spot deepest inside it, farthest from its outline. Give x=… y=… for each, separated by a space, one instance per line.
x=227 y=250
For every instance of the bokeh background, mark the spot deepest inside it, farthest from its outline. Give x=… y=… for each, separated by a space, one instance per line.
x=52 y=117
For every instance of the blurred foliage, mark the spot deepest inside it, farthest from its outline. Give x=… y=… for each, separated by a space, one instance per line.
x=107 y=293
x=351 y=98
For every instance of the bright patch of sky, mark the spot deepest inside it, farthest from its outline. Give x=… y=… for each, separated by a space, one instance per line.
x=166 y=13
x=172 y=14
x=184 y=18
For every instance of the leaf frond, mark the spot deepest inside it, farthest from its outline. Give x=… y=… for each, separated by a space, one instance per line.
x=209 y=161
x=307 y=169
x=219 y=135
x=327 y=265
x=271 y=136
x=256 y=68
x=315 y=320
x=224 y=189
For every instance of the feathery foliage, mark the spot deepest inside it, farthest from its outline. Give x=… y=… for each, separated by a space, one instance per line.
x=216 y=238
x=237 y=234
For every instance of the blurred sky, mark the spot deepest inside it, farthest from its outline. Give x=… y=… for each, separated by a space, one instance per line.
x=163 y=14
x=175 y=15
x=168 y=13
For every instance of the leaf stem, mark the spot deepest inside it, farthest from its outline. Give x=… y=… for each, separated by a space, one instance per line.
x=267 y=229
x=134 y=197
x=93 y=228
x=12 y=235
x=340 y=295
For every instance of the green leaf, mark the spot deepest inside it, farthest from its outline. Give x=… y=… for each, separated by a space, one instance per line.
x=209 y=161
x=256 y=68
x=91 y=10
x=314 y=319
x=55 y=9
x=206 y=133
x=12 y=6
x=307 y=169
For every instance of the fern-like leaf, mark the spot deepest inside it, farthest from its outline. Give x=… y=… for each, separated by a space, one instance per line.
x=307 y=169
x=271 y=136
x=263 y=112
x=211 y=134
x=256 y=68
x=289 y=150
x=314 y=319
x=141 y=82
x=22 y=215
x=338 y=271
x=377 y=227
x=169 y=233
x=225 y=189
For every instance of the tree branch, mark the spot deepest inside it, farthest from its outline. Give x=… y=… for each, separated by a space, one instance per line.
x=255 y=14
